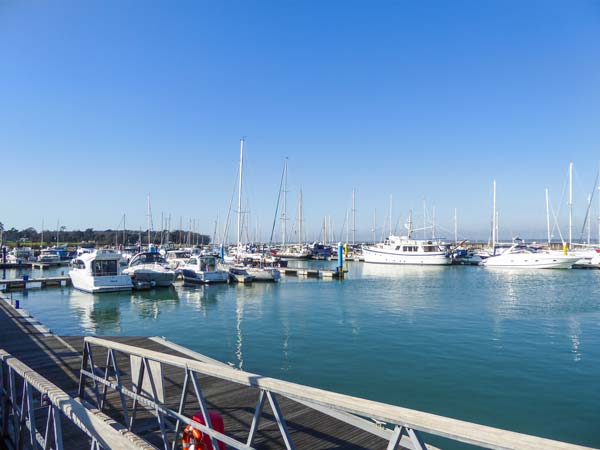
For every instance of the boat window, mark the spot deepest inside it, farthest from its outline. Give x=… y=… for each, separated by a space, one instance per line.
x=78 y=264
x=192 y=261
x=105 y=268
x=430 y=248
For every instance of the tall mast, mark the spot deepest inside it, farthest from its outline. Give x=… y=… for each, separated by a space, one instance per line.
x=239 y=211
x=300 y=217
x=374 y=221
x=353 y=216
x=347 y=226
x=390 y=214
x=494 y=237
x=548 y=215
x=570 y=204
x=124 y=232
x=42 y=240
x=57 y=228
x=149 y=220
x=455 y=226
x=433 y=223
x=589 y=224
x=284 y=211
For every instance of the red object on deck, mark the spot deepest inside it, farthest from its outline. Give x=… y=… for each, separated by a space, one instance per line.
x=217 y=424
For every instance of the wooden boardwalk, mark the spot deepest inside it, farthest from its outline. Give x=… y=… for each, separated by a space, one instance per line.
x=59 y=359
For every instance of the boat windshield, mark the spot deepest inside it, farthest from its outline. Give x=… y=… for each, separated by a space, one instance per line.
x=106 y=268
x=147 y=258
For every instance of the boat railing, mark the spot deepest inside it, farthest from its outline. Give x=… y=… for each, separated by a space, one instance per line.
x=399 y=426
x=32 y=410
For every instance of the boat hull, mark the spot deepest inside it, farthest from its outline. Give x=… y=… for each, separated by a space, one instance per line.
x=160 y=278
x=381 y=256
x=212 y=277
x=529 y=263
x=94 y=285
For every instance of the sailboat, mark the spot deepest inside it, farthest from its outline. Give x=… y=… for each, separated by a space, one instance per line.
x=246 y=269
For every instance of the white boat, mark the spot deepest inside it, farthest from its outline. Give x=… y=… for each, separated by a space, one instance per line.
x=150 y=267
x=520 y=255
x=19 y=254
x=99 y=271
x=203 y=269
x=404 y=250
x=264 y=273
x=49 y=255
x=239 y=274
x=178 y=258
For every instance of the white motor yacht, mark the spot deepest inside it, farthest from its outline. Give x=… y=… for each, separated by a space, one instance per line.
x=404 y=250
x=203 y=269
x=150 y=267
x=520 y=255
x=99 y=271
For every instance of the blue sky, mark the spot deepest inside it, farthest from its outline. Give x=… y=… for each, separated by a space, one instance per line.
x=105 y=102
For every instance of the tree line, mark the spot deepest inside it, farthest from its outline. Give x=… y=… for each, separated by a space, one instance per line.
x=100 y=237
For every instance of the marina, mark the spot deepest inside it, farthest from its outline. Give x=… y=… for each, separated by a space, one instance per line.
x=300 y=226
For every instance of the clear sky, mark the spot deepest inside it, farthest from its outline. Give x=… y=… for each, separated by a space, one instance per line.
x=105 y=102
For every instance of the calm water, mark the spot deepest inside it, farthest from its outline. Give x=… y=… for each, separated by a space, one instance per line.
x=513 y=349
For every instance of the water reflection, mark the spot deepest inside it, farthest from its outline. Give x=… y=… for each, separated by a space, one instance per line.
x=150 y=304
x=97 y=313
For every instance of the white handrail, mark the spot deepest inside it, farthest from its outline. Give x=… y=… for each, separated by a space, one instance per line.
x=454 y=429
x=83 y=418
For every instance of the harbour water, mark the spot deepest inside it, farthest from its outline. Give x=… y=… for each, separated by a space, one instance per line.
x=513 y=349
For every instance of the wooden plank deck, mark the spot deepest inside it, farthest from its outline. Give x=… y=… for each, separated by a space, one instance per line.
x=59 y=359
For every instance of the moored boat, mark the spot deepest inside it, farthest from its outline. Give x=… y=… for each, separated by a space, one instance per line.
x=203 y=269
x=404 y=250
x=150 y=267
x=520 y=255
x=99 y=271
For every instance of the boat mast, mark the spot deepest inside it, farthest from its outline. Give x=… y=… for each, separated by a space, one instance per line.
x=390 y=214
x=57 y=228
x=353 y=216
x=284 y=210
x=300 y=217
x=42 y=240
x=455 y=226
x=433 y=224
x=589 y=224
x=347 y=226
x=149 y=222
x=124 y=232
x=239 y=211
x=548 y=215
x=374 y=221
x=570 y=204
x=494 y=237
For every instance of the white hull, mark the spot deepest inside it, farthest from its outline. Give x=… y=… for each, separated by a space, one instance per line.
x=384 y=256
x=264 y=274
x=151 y=273
x=531 y=261
x=216 y=276
x=88 y=283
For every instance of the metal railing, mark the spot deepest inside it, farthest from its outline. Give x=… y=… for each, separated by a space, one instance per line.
x=399 y=426
x=32 y=409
